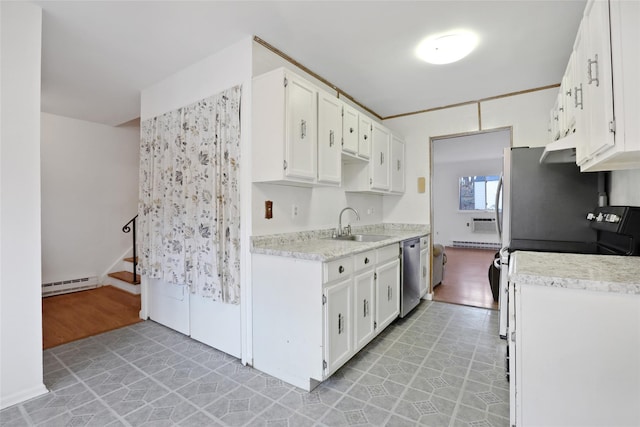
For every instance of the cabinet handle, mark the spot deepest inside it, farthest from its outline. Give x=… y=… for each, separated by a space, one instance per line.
x=339 y=323
x=366 y=137
x=366 y=260
x=303 y=129
x=365 y=308
x=575 y=96
x=398 y=164
x=341 y=269
x=591 y=62
x=381 y=157
x=350 y=130
x=388 y=293
x=424 y=271
x=331 y=138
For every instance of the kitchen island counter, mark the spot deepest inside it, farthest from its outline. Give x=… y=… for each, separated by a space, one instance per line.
x=318 y=245
x=603 y=273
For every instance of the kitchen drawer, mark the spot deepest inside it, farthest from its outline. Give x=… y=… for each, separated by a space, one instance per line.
x=338 y=269
x=387 y=253
x=364 y=260
x=424 y=242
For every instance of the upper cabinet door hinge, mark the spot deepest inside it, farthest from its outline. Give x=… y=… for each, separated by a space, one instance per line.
x=342 y=111
x=612 y=126
x=286 y=82
x=324 y=365
x=375 y=276
x=284 y=164
x=324 y=299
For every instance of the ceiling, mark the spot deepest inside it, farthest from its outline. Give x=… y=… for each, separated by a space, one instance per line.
x=98 y=55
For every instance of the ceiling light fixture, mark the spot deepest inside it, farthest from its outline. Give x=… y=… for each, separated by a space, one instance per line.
x=446 y=48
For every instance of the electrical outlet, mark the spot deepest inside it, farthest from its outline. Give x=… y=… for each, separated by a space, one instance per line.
x=268 y=209
x=294 y=211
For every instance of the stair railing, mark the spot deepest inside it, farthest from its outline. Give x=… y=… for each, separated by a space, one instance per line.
x=127 y=229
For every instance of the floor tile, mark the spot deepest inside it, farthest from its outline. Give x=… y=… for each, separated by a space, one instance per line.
x=239 y=406
x=279 y=415
x=442 y=365
x=349 y=412
x=167 y=410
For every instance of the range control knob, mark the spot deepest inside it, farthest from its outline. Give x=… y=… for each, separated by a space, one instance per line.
x=612 y=218
x=591 y=216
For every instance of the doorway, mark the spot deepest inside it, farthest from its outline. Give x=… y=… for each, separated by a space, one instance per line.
x=465 y=170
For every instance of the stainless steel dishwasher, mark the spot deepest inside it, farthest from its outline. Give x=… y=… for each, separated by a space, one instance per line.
x=410 y=277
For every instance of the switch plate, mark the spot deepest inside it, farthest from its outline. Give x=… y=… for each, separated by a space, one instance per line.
x=268 y=209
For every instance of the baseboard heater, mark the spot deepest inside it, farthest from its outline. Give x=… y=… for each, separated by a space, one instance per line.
x=475 y=245
x=68 y=286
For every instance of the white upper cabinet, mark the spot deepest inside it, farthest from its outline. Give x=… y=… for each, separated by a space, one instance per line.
x=284 y=129
x=397 y=169
x=605 y=90
x=350 y=133
x=379 y=162
x=329 y=139
x=364 y=136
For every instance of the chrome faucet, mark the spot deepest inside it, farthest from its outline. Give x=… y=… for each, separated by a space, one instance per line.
x=347 y=230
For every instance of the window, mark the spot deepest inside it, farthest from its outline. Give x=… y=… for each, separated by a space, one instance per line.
x=478 y=193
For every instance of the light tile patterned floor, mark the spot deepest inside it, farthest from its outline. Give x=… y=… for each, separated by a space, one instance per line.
x=441 y=366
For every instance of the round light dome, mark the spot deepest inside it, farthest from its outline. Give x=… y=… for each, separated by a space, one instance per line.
x=447 y=47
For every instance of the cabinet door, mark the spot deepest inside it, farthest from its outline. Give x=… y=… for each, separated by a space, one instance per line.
x=329 y=139
x=424 y=271
x=364 y=136
x=338 y=338
x=579 y=84
x=379 y=162
x=598 y=96
x=363 y=309
x=349 y=130
x=387 y=293
x=397 y=169
x=301 y=126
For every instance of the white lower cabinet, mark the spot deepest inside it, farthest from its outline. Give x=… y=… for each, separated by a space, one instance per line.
x=425 y=276
x=338 y=316
x=310 y=317
x=364 y=292
x=573 y=356
x=387 y=293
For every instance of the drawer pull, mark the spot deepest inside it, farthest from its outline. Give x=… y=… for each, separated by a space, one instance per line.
x=341 y=269
x=366 y=260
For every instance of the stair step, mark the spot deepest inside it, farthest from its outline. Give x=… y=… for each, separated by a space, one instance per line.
x=130 y=259
x=126 y=276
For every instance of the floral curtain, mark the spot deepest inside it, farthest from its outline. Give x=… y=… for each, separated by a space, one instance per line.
x=189 y=209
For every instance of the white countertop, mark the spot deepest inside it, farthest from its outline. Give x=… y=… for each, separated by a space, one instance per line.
x=318 y=246
x=604 y=273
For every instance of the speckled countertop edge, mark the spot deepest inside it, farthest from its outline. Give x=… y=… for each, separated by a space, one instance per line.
x=316 y=246
x=602 y=273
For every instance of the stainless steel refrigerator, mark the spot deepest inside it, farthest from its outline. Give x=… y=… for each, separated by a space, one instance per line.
x=544 y=209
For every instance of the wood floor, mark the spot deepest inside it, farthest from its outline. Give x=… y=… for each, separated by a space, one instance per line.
x=77 y=315
x=465 y=278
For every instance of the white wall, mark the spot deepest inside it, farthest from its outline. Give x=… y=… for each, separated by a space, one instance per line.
x=20 y=286
x=469 y=155
x=417 y=129
x=526 y=113
x=625 y=187
x=89 y=191
x=449 y=223
x=223 y=326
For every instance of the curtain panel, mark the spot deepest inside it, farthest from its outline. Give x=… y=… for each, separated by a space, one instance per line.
x=189 y=208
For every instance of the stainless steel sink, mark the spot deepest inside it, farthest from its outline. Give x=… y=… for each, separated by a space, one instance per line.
x=362 y=237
